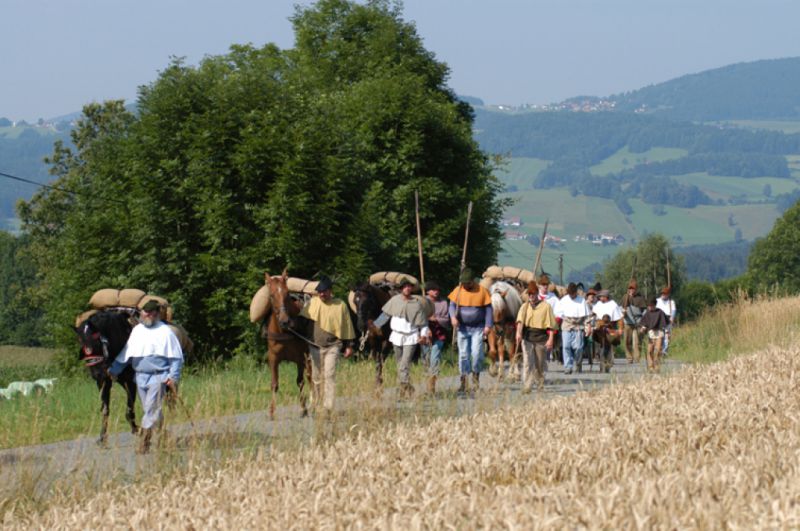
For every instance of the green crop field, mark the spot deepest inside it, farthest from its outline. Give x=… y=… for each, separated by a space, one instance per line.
x=521 y=171
x=720 y=187
x=624 y=159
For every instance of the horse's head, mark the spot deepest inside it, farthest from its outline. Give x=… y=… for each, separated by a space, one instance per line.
x=280 y=299
x=101 y=337
x=366 y=305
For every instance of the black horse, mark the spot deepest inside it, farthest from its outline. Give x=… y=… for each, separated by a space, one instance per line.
x=368 y=301
x=102 y=337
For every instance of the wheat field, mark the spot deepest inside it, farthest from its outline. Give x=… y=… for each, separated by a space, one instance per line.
x=712 y=446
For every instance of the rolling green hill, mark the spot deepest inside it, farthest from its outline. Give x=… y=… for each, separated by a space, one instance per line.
x=759 y=90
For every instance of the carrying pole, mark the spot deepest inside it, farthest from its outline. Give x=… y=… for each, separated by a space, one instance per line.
x=669 y=274
x=419 y=242
x=541 y=248
x=463 y=267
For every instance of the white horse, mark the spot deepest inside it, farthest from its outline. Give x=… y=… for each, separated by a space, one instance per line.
x=506 y=303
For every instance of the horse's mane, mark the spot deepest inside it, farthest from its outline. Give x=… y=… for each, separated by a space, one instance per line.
x=505 y=298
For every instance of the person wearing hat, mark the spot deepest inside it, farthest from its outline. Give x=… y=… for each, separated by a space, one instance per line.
x=667 y=305
x=633 y=306
x=591 y=299
x=155 y=354
x=536 y=329
x=653 y=323
x=439 y=329
x=409 y=316
x=608 y=327
x=471 y=315
x=544 y=293
x=333 y=330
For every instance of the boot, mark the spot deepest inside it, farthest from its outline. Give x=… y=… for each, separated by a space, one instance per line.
x=462 y=388
x=145 y=435
x=432 y=385
x=476 y=385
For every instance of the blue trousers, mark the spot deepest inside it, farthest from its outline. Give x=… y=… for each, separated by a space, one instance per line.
x=470 y=350
x=572 y=347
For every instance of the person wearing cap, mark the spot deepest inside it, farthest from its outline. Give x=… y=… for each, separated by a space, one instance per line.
x=574 y=314
x=155 y=354
x=409 y=316
x=608 y=327
x=332 y=331
x=536 y=328
x=667 y=305
x=591 y=299
x=544 y=293
x=633 y=306
x=471 y=315
x=653 y=323
x=439 y=329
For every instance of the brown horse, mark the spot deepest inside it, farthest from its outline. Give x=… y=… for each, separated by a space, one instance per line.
x=284 y=331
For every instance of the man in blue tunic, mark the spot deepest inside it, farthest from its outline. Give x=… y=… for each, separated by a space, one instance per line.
x=156 y=356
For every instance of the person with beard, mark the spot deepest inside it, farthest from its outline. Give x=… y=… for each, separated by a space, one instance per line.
x=155 y=354
x=536 y=329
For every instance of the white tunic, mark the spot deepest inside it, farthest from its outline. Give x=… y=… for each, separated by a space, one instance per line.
x=157 y=340
x=610 y=308
x=666 y=306
x=404 y=333
x=569 y=307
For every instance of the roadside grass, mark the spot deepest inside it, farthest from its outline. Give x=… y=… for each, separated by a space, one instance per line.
x=24 y=364
x=72 y=408
x=740 y=327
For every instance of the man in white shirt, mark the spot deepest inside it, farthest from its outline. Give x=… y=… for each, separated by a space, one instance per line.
x=573 y=312
x=667 y=305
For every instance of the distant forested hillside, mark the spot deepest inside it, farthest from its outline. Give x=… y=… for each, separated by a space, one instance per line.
x=21 y=152
x=768 y=89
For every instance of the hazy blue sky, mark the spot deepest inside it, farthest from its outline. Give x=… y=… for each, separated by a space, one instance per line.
x=59 y=54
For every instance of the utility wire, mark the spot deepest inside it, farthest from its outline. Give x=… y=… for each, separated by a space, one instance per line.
x=51 y=187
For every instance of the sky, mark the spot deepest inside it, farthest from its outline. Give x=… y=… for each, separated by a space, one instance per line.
x=57 y=55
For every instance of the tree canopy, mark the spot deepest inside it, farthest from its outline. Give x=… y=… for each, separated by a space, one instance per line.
x=775 y=259
x=261 y=159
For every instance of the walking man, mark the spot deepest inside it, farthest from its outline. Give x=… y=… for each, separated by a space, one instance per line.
x=471 y=316
x=608 y=327
x=409 y=323
x=667 y=305
x=536 y=328
x=633 y=305
x=155 y=354
x=574 y=314
x=333 y=329
x=653 y=322
x=439 y=328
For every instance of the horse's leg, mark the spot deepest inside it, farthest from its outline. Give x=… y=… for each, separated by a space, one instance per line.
x=491 y=342
x=501 y=357
x=105 y=397
x=273 y=366
x=130 y=413
x=379 y=357
x=301 y=367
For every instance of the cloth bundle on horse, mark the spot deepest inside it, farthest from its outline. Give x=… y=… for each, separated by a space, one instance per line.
x=277 y=306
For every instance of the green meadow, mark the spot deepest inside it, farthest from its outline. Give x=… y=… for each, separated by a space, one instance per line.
x=721 y=187
x=521 y=171
x=624 y=159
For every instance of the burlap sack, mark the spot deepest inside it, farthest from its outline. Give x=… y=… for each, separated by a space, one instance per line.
x=391 y=277
x=187 y=346
x=150 y=297
x=508 y=272
x=84 y=316
x=487 y=282
x=104 y=298
x=130 y=297
x=351 y=301
x=259 y=306
x=301 y=285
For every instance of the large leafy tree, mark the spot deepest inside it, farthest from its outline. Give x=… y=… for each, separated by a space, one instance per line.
x=647 y=263
x=262 y=159
x=775 y=259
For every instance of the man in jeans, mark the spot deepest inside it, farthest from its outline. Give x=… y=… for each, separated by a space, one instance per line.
x=471 y=315
x=574 y=313
x=439 y=326
x=332 y=329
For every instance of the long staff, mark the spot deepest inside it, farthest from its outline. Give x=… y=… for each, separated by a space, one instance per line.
x=419 y=242
x=463 y=267
x=541 y=248
x=669 y=275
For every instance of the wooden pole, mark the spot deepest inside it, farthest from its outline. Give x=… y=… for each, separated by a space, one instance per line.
x=419 y=243
x=539 y=252
x=463 y=266
x=669 y=274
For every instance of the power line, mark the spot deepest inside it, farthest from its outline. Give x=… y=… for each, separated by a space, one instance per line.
x=51 y=187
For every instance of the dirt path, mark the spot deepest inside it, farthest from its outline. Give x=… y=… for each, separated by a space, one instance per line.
x=39 y=468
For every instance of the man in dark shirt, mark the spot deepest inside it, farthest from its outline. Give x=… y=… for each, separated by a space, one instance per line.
x=653 y=322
